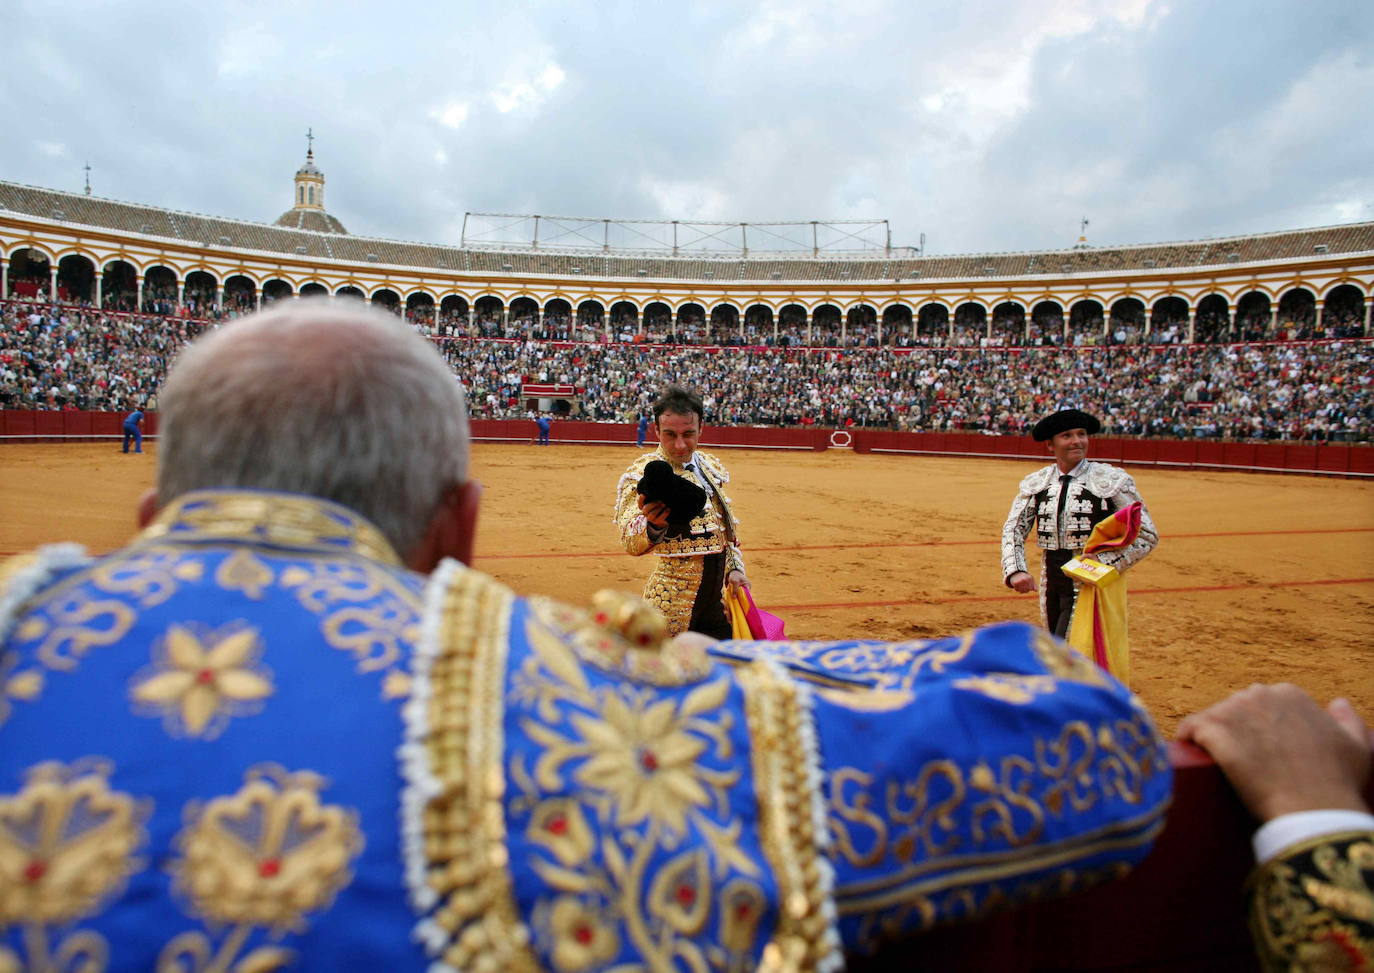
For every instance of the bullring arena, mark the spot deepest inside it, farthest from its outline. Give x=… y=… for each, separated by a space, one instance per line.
x=1233 y=376
x=1258 y=577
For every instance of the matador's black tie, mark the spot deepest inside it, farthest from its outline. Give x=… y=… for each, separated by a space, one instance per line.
x=1064 y=482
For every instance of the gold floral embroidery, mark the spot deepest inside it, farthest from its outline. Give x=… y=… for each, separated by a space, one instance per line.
x=742 y=905
x=67 y=845
x=889 y=670
x=24 y=686
x=681 y=892
x=643 y=760
x=202 y=679
x=80 y=624
x=636 y=758
x=365 y=611
x=66 y=842
x=374 y=636
x=151 y=574
x=321 y=585
x=642 y=756
x=583 y=939
x=242 y=571
x=268 y=854
x=560 y=826
x=1312 y=908
x=1064 y=662
x=262 y=857
x=1009 y=687
x=272 y=518
x=917 y=823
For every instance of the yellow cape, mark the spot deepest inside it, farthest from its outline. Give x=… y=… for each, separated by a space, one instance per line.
x=1099 y=628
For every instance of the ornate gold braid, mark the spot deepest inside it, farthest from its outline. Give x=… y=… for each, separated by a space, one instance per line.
x=783 y=756
x=1311 y=908
x=464 y=831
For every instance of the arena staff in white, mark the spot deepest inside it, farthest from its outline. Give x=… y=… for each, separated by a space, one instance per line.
x=1061 y=503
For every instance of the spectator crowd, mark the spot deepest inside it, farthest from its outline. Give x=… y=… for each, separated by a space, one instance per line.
x=61 y=357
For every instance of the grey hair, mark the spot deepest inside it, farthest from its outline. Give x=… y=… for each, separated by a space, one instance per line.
x=326 y=398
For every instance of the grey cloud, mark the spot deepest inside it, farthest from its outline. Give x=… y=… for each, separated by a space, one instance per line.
x=1169 y=130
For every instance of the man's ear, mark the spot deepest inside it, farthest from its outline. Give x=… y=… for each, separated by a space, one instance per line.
x=451 y=531
x=147 y=507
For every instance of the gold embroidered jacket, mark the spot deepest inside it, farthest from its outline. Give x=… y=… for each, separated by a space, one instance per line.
x=1312 y=907
x=199 y=742
x=673 y=585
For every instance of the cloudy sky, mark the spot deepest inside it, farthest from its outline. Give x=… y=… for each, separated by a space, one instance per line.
x=984 y=125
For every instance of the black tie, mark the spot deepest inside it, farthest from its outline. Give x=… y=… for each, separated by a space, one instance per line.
x=1064 y=482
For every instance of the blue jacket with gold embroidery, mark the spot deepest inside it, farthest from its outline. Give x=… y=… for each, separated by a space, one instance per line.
x=252 y=741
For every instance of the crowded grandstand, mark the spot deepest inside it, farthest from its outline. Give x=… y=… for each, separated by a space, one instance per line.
x=1263 y=337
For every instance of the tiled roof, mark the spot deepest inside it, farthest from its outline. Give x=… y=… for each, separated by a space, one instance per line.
x=315 y=234
x=314 y=220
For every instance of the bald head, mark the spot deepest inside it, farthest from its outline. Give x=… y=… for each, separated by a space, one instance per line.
x=328 y=399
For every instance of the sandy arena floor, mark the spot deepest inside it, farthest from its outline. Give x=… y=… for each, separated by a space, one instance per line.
x=1257 y=578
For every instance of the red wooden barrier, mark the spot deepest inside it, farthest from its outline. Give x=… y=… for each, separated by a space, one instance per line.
x=1299 y=457
x=1329 y=458
x=71 y=424
x=1271 y=456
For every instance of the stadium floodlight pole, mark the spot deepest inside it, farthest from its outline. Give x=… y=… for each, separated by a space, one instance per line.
x=674 y=238
x=605 y=236
x=815 y=248
x=536 y=231
x=463 y=239
x=744 y=238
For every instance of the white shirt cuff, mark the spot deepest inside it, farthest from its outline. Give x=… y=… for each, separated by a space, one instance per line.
x=1287 y=830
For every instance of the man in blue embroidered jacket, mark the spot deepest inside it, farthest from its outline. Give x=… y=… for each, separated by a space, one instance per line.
x=256 y=737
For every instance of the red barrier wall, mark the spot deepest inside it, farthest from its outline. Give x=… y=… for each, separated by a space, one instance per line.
x=34 y=426
x=1327 y=458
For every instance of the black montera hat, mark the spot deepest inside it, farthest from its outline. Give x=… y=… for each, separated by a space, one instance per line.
x=685 y=499
x=1065 y=419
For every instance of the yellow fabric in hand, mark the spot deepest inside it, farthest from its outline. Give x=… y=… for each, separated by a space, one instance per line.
x=737 y=607
x=1099 y=627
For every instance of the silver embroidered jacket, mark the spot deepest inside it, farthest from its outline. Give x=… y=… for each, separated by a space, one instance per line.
x=1097 y=490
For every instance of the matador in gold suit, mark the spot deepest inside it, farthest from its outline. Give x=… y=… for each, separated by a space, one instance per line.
x=685 y=557
x=696 y=560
